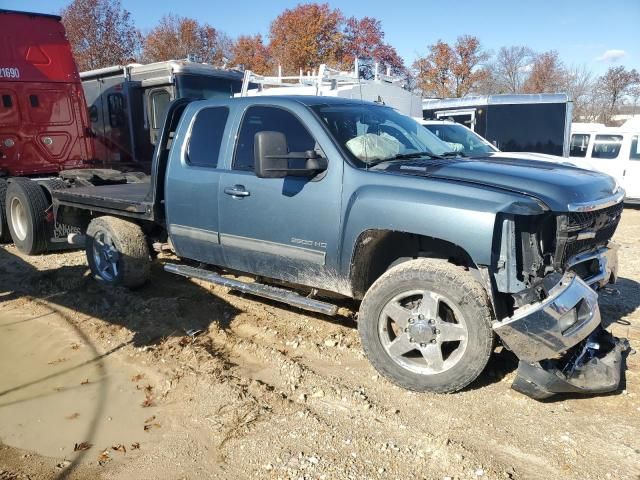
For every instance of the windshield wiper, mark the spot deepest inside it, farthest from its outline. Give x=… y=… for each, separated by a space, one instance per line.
x=402 y=156
x=405 y=156
x=452 y=154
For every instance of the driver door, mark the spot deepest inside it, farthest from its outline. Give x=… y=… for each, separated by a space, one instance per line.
x=284 y=228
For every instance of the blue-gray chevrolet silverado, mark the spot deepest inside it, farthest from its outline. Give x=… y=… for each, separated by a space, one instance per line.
x=319 y=198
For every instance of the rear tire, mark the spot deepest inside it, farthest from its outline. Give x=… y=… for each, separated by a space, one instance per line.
x=117 y=252
x=426 y=326
x=26 y=206
x=5 y=236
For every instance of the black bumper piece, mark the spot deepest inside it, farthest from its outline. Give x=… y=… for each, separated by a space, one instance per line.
x=596 y=365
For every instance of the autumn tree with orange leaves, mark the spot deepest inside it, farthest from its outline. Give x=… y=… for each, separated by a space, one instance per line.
x=451 y=71
x=364 y=38
x=306 y=36
x=101 y=33
x=547 y=74
x=178 y=37
x=250 y=53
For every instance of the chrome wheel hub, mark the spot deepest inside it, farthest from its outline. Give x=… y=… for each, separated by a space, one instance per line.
x=423 y=332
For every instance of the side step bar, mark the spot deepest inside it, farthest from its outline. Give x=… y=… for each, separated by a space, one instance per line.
x=279 y=294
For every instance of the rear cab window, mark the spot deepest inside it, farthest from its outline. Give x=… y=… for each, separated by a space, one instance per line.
x=265 y=118
x=607 y=146
x=579 y=144
x=206 y=136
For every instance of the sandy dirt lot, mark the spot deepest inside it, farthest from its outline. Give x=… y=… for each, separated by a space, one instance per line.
x=98 y=383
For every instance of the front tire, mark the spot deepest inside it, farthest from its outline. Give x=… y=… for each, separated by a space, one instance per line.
x=426 y=326
x=117 y=252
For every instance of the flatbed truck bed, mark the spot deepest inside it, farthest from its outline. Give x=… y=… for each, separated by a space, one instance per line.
x=127 y=200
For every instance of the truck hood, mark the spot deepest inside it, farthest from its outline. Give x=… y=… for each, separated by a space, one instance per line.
x=557 y=185
x=543 y=157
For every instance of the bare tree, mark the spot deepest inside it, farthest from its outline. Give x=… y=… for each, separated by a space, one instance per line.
x=101 y=33
x=614 y=86
x=511 y=67
x=579 y=86
x=634 y=93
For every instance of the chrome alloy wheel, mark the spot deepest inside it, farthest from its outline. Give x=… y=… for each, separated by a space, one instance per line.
x=105 y=256
x=423 y=332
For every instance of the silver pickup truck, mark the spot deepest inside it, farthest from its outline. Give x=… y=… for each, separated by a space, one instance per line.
x=319 y=198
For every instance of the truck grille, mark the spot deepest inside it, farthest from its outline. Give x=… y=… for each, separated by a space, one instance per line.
x=586 y=220
x=579 y=232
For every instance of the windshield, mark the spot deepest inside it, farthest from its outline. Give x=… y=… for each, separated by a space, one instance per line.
x=204 y=86
x=461 y=139
x=371 y=133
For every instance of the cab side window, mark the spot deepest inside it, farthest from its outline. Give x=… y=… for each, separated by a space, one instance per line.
x=258 y=119
x=607 y=146
x=159 y=102
x=115 y=103
x=635 y=148
x=206 y=137
x=579 y=144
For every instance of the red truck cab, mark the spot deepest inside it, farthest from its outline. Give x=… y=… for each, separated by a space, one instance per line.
x=43 y=113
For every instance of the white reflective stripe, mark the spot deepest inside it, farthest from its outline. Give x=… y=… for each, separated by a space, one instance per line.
x=194 y=233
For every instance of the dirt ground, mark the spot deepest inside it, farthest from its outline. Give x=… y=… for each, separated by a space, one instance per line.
x=97 y=383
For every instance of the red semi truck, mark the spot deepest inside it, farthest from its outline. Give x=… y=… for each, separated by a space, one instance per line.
x=48 y=139
x=44 y=125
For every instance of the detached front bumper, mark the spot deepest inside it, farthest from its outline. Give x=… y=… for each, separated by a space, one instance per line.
x=560 y=342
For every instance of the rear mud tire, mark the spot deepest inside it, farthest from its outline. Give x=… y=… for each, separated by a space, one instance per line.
x=117 y=252
x=26 y=207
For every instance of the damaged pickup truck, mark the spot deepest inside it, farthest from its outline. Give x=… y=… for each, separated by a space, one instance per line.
x=320 y=198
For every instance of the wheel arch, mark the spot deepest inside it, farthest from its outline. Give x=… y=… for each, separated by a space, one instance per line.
x=376 y=250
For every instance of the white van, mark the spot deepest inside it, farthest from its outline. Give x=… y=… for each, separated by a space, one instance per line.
x=612 y=150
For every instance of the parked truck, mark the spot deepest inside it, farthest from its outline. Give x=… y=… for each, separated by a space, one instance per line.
x=127 y=103
x=43 y=122
x=321 y=197
x=50 y=137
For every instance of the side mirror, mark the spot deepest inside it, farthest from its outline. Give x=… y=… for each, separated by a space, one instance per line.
x=270 y=150
x=273 y=159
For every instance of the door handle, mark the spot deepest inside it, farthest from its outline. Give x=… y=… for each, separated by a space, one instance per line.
x=237 y=191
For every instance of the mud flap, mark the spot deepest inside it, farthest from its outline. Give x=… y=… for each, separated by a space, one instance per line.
x=595 y=365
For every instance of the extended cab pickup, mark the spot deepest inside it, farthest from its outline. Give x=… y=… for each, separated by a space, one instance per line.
x=319 y=198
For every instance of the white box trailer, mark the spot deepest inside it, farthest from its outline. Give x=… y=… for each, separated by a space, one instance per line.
x=513 y=123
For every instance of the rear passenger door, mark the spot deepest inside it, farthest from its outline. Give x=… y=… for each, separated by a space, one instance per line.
x=191 y=188
x=283 y=228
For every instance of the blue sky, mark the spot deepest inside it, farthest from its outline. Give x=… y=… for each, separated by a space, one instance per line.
x=592 y=32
